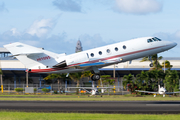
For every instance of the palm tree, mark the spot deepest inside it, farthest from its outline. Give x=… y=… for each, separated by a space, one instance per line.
x=76 y=77
x=86 y=74
x=59 y=78
x=155 y=59
x=129 y=80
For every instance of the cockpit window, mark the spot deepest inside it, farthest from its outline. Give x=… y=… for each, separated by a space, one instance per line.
x=149 y=40
x=153 y=39
x=157 y=39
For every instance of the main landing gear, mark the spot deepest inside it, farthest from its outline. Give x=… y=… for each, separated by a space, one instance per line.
x=95 y=77
x=151 y=65
x=95 y=73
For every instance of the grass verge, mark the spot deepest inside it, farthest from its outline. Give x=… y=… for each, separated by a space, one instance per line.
x=86 y=98
x=83 y=116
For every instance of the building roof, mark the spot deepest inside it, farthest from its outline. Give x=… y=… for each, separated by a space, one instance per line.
x=4 y=50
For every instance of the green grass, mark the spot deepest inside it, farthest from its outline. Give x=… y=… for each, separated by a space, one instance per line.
x=86 y=98
x=83 y=116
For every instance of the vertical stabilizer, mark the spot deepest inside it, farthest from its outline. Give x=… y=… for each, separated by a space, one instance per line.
x=32 y=57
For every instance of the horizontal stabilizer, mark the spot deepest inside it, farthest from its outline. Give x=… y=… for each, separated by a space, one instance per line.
x=27 y=54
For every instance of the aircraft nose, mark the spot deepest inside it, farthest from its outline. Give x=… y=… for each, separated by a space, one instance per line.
x=171 y=44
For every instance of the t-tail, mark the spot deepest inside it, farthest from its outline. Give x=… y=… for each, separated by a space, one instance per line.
x=33 y=57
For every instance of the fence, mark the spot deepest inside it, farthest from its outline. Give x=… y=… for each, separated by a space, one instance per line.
x=64 y=88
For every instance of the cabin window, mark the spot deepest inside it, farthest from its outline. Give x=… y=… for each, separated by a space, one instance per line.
x=116 y=49
x=108 y=50
x=100 y=53
x=92 y=54
x=124 y=47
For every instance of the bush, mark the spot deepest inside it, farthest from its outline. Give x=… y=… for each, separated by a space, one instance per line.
x=55 y=92
x=35 y=89
x=19 y=89
x=45 y=90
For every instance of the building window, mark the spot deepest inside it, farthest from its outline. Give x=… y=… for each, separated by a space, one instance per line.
x=124 y=47
x=108 y=50
x=92 y=54
x=100 y=53
x=116 y=49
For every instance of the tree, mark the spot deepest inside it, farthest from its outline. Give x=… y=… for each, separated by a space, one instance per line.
x=86 y=74
x=76 y=77
x=129 y=81
x=172 y=80
x=142 y=80
x=167 y=64
x=155 y=59
x=106 y=80
x=59 y=78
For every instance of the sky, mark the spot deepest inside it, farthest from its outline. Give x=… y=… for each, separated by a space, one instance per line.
x=57 y=25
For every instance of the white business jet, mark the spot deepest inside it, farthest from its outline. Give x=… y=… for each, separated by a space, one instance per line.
x=39 y=60
x=161 y=91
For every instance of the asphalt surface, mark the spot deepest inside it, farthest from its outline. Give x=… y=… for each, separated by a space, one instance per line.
x=132 y=107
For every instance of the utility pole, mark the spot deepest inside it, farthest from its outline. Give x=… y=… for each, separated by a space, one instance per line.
x=1 y=78
x=1 y=82
x=114 y=75
x=27 y=78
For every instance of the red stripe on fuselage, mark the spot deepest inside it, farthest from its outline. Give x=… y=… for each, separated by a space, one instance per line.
x=94 y=61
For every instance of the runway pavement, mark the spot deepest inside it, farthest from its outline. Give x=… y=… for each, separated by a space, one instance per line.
x=145 y=107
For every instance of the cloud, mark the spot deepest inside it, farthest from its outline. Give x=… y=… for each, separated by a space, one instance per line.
x=169 y=36
x=174 y=37
x=68 y=5
x=41 y=27
x=140 y=7
x=2 y=8
x=90 y=42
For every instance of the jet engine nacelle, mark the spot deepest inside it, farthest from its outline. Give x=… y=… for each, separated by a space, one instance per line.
x=77 y=58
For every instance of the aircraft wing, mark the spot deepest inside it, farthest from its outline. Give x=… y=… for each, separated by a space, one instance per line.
x=92 y=64
x=146 y=91
x=99 y=63
x=169 y=93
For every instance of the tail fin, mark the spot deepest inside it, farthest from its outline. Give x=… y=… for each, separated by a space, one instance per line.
x=32 y=57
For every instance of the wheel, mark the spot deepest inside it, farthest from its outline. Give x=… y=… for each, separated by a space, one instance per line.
x=151 y=65
x=95 y=77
